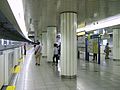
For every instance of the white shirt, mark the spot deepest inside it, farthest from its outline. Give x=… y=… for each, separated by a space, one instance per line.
x=55 y=50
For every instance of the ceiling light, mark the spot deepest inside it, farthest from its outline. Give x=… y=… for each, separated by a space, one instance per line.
x=17 y=9
x=80 y=33
x=107 y=22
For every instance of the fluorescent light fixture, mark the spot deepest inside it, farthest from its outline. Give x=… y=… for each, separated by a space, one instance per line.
x=107 y=22
x=17 y=9
x=96 y=32
x=80 y=33
x=2 y=40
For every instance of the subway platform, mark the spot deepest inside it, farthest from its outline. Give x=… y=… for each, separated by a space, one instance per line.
x=91 y=76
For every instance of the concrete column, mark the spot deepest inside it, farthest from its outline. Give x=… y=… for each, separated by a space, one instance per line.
x=51 y=35
x=116 y=44
x=44 y=44
x=35 y=36
x=39 y=38
x=68 y=28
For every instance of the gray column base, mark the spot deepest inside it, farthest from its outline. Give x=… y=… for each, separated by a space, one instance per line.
x=116 y=59
x=69 y=77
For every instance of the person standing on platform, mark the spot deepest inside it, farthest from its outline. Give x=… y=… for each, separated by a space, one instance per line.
x=38 y=53
x=107 y=51
x=25 y=49
x=55 y=54
x=59 y=51
x=95 y=50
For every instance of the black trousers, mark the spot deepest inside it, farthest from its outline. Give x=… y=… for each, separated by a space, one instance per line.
x=95 y=56
x=55 y=56
x=24 y=52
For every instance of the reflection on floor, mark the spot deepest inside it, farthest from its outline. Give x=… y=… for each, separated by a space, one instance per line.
x=90 y=76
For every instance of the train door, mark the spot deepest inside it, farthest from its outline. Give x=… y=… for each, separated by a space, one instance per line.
x=1 y=69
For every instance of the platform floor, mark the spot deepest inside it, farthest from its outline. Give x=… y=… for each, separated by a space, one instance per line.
x=91 y=76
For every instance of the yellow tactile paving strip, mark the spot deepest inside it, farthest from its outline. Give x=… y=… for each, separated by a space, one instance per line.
x=10 y=88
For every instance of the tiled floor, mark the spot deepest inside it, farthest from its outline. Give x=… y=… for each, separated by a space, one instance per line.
x=90 y=76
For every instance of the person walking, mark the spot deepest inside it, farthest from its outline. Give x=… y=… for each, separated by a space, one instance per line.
x=38 y=53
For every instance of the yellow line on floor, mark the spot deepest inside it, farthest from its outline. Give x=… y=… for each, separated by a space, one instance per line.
x=10 y=88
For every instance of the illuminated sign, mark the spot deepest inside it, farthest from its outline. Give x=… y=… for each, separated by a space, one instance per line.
x=80 y=33
x=107 y=22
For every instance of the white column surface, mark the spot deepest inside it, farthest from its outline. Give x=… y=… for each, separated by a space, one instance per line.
x=51 y=35
x=2 y=70
x=68 y=44
x=116 y=44
x=44 y=42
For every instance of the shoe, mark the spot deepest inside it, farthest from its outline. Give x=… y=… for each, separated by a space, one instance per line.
x=36 y=64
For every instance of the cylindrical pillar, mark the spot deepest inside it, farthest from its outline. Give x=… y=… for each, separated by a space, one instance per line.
x=68 y=26
x=35 y=37
x=116 y=44
x=44 y=44
x=40 y=38
x=51 y=35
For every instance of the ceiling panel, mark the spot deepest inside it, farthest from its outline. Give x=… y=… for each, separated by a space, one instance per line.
x=46 y=12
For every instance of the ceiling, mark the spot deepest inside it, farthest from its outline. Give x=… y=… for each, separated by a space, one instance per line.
x=42 y=13
x=9 y=29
